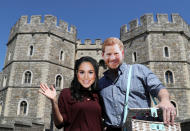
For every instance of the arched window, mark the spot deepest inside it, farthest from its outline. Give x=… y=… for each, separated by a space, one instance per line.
x=31 y=50
x=169 y=77
x=61 y=56
x=166 y=52
x=4 y=81
x=22 y=108
x=174 y=104
x=27 y=77
x=59 y=81
x=134 y=57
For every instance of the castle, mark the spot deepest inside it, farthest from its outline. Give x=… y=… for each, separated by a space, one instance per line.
x=45 y=52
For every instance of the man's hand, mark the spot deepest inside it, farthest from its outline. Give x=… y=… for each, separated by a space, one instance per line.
x=169 y=111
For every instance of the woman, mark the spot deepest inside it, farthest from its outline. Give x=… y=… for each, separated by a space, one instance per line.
x=78 y=107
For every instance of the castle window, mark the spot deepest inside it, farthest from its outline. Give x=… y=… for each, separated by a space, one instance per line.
x=31 y=50
x=61 y=56
x=59 y=81
x=134 y=56
x=4 y=81
x=22 y=108
x=169 y=77
x=27 y=77
x=166 y=52
x=173 y=103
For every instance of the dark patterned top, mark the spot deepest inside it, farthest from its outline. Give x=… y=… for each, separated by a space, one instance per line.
x=79 y=116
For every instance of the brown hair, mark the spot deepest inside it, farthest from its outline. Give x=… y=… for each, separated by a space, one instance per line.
x=112 y=41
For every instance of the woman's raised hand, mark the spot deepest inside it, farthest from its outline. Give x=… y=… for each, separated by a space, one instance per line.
x=50 y=93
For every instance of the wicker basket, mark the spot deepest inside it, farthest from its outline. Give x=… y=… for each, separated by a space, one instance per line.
x=141 y=125
x=142 y=120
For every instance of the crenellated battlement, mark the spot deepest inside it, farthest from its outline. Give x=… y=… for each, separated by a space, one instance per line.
x=36 y=24
x=148 y=19
x=147 y=23
x=88 y=44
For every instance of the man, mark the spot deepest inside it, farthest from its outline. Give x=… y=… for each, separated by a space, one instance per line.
x=113 y=87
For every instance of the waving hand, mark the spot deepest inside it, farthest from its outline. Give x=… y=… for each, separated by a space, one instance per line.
x=50 y=93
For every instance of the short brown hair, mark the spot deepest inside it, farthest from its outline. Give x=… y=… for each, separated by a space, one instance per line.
x=112 y=41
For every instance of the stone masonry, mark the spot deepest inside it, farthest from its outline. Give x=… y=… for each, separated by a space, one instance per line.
x=144 y=43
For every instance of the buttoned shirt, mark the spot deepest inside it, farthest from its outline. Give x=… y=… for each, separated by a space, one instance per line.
x=143 y=83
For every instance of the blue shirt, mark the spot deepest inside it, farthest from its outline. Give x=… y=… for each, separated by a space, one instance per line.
x=143 y=83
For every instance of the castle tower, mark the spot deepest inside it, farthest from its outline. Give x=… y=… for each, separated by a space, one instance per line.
x=36 y=52
x=163 y=46
x=91 y=49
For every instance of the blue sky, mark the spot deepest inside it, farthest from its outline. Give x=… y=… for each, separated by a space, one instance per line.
x=93 y=19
